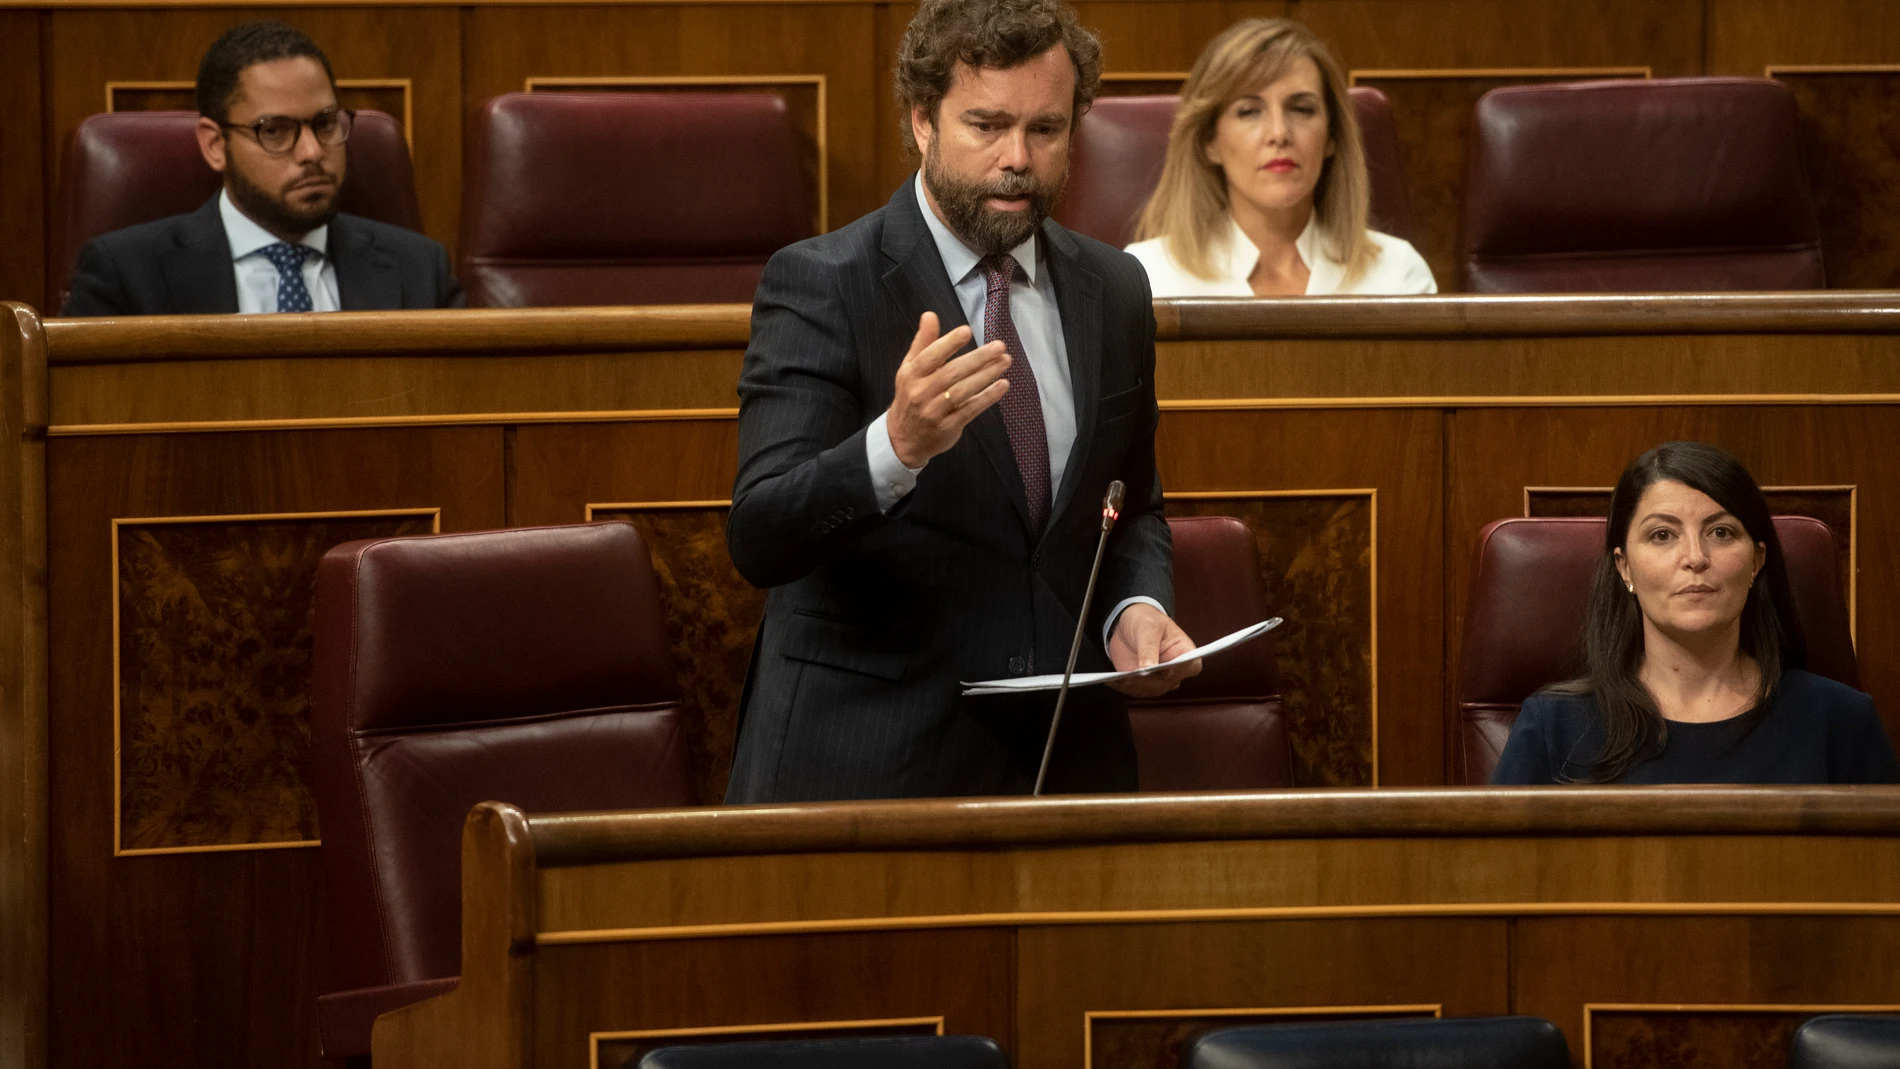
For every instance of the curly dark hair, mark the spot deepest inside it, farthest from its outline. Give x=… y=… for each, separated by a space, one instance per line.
x=245 y=46
x=987 y=33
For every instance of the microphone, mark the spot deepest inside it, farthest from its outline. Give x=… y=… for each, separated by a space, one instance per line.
x=1111 y=511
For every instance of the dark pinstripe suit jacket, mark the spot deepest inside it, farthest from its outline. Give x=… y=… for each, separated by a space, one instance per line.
x=873 y=619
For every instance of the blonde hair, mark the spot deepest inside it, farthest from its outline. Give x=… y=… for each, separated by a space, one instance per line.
x=1188 y=209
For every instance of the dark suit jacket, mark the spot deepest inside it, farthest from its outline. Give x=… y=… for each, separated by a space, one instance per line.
x=181 y=265
x=873 y=619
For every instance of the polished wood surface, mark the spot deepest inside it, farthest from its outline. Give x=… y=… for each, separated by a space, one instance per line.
x=1189 y=907
x=1433 y=57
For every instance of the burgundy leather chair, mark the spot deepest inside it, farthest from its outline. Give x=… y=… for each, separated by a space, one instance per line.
x=130 y=167
x=630 y=198
x=1530 y=590
x=1222 y=729
x=1681 y=184
x=1122 y=142
x=527 y=666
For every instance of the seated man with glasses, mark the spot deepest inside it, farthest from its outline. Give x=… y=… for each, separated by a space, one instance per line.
x=272 y=240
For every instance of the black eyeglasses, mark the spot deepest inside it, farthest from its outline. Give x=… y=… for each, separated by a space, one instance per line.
x=278 y=134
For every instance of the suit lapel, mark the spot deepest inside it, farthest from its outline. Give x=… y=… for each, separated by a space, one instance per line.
x=918 y=282
x=197 y=268
x=1079 y=302
x=367 y=275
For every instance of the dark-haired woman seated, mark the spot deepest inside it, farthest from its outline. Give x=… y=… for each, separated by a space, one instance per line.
x=1692 y=653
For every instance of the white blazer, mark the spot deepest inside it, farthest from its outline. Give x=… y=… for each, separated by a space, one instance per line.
x=1397 y=268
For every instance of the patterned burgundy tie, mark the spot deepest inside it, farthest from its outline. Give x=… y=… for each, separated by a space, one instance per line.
x=1022 y=405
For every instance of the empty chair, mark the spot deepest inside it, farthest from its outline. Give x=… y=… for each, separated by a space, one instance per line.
x=871 y=1052
x=1846 y=1041
x=1432 y=1043
x=1122 y=142
x=131 y=167
x=526 y=666
x=1530 y=590
x=630 y=198
x=1685 y=184
x=1225 y=728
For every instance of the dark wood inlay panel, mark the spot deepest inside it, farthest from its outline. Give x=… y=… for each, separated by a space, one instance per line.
x=711 y=614
x=1850 y=124
x=215 y=627
x=1646 y=1038
x=1316 y=566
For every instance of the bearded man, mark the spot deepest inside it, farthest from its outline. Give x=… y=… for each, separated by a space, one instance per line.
x=272 y=239
x=933 y=401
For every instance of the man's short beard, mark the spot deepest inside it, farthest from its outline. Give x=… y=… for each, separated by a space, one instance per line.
x=272 y=213
x=984 y=229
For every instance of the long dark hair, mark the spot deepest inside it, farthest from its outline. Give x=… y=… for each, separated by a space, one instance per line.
x=1633 y=728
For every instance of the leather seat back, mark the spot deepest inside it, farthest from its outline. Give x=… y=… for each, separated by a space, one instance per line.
x=1434 y=1043
x=1682 y=184
x=1122 y=142
x=1530 y=592
x=130 y=167
x=1225 y=728
x=527 y=666
x=630 y=198
x=1846 y=1041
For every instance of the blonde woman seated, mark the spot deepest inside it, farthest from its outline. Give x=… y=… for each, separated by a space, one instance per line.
x=1265 y=192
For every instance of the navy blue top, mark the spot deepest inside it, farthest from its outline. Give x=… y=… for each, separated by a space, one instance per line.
x=1814 y=730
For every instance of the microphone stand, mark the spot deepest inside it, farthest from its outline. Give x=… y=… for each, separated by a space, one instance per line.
x=1111 y=511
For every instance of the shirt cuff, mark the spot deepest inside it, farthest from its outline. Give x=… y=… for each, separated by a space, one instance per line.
x=1108 y=629
x=890 y=478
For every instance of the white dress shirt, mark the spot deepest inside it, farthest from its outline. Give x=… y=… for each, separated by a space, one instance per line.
x=257 y=276
x=1397 y=268
x=1038 y=321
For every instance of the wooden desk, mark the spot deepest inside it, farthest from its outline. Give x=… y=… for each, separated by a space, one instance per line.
x=1102 y=932
x=175 y=481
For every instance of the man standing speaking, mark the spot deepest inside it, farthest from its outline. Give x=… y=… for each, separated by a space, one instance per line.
x=933 y=402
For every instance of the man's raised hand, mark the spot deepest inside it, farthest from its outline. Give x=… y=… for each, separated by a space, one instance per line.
x=938 y=394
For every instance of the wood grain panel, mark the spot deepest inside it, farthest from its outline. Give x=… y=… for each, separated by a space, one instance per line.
x=1432 y=113
x=1395 y=452
x=1850 y=125
x=1664 y=35
x=507 y=45
x=213 y=627
x=23 y=231
x=964 y=977
x=1746 y=36
x=1561 y=964
x=87 y=49
x=1069 y=972
x=1318 y=568
x=1792 y=446
x=248 y=922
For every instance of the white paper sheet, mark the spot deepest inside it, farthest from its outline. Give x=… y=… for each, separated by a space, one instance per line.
x=1028 y=684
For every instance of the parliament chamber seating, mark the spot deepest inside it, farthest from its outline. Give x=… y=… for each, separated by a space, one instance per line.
x=1122 y=142
x=1671 y=185
x=875 y=1052
x=1449 y=1043
x=1530 y=589
x=1223 y=729
x=630 y=198
x=529 y=665
x=1846 y=1041
x=131 y=167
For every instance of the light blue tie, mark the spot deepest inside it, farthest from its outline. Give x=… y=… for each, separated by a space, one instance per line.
x=292 y=294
